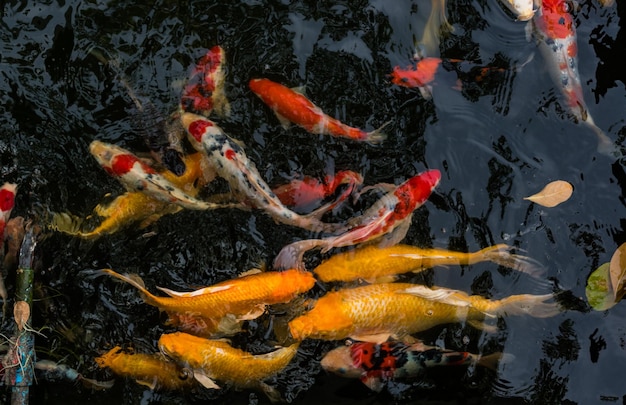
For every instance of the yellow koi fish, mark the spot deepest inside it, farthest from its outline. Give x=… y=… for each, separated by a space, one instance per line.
x=375 y=312
x=372 y=263
x=217 y=360
x=151 y=370
x=208 y=310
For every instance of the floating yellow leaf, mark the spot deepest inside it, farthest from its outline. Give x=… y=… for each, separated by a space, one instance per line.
x=599 y=291
x=617 y=270
x=21 y=314
x=553 y=194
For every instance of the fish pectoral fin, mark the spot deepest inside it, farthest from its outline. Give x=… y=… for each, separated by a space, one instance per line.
x=148 y=382
x=376 y=384
x=481 y=325
x=252 y=314
x=377 y=338
x=443 y=295
x=205 y=380
x=202 y=291
x=250 y=272
x=284 y=122
x=397 y=234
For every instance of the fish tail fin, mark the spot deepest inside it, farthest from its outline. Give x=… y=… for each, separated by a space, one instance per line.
x=377 y=136
x=605 y=145
x=500 y=254
x=292 y=255
x=271 y=392
x=135 y=281
x=221 y=105
x=69 y=224
x=527 y=304
x=492 y=360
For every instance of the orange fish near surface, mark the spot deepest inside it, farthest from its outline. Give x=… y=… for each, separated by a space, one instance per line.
x=373 y=313
x=204 y=92
x=291 y=106
x=217 y=360
x=213 y=309
x=421 y=76
x=373 y=263
x=151 y=370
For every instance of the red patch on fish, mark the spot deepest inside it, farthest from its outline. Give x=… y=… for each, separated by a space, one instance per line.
x=555 y=20
x=198 y=128
x=197 y=95
x=415 y=192
x=7 y=200
x=422 y=74
x=230 y=154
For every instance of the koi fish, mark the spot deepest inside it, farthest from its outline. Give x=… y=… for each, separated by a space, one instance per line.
x=372 y=263
x=524 y=10
x=216 y=360
x=308 y=191
x=291 y=106
x=230 y=162
x=375 y=312
x=375 y=364
x=135 y=206
x=556 y=33
x=204 y=92
x=220 y=308
x=387 y=221
x=436 y=25
x=138 y=176
x=151 y=370
x=7 y=202
x=419 y=77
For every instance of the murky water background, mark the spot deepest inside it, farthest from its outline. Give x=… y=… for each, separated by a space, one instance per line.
x=494 y=143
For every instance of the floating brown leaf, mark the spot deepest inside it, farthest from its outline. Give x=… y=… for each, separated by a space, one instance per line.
x=617 y=269
x=553 y=194
x=21 y=314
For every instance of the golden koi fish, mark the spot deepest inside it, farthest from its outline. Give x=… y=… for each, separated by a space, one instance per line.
x=208 y=310
x=135 y=206
x=216 y=360
x=375 y=312
x=371 y=262
x=151 y=370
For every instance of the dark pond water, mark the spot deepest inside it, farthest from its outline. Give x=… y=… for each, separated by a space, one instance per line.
x=494 y=143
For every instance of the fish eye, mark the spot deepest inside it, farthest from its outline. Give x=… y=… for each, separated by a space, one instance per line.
x=185 y=374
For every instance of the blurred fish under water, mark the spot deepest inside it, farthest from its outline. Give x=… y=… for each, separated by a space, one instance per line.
x=179 y=95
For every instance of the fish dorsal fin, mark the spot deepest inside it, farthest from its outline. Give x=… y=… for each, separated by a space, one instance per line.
x=377 y=338
x=202 y=291
x=250 y=272
x=205 y=380
x=443 y=295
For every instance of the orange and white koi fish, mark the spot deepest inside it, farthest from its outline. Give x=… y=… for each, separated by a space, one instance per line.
x=7 y=202
x=151 y=370
x=524 y=10
x=220 y=308
x=138 y=176
x=291 y=106
x=372 y=263
x=373 y=313
x=387 y=221
x=135 y=206
x=229 y=161
x=204 y=92
x=420 y=77
x=375 y=364
x=213 y=360
x=556 y=33
x=309 y=191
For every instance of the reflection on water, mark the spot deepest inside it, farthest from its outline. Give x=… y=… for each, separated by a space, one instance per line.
x=496 y=127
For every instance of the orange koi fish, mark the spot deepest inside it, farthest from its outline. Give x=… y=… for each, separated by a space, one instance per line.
x=420 y=77
x=291 y=106
x=138 y=176
x=556 y=33
x=308 y=191
x=204 y=92
x=220 y=308
x=376 y=364
x=152 y=370
x=373 y=313
x=372 y=263
x=387 y=221
x=229 y=161
x=216 y=360
x=136 y=206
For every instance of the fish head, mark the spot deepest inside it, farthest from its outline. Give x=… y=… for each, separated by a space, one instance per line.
x=524 y=10
x=296 y=281
x=259 y=86
x=176 y=345
x=198 y=128
x=115 y=160
x=339 y=361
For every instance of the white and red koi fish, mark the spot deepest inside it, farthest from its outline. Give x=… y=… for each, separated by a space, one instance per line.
x=291 y=106
x=230 y=162
x=377 y=363
x=7 y=202
x=556 y=33
x=308 y=191
x=139 y=176
x=386 y=222
x=204 y=92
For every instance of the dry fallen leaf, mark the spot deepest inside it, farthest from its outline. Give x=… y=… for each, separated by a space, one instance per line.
x=21 y=314
x=617 y=269
x=553 y=194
